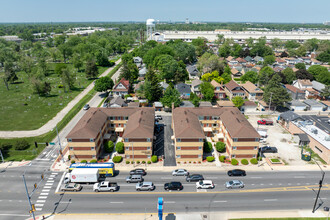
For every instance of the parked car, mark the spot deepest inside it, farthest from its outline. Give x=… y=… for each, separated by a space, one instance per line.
x=71 y=187
x=138 y=172
x=86 y=107
x=194 y=178
x=145 y=186
x=180 y=172
x=236 y=172
x=268 y=149
x=234 y=184
x=134 y=179
x=265 y=122
x=105 y=187
x=173 y=186
x=159 y=117
x=105 y=105
x=262 y=140
x=205 y=184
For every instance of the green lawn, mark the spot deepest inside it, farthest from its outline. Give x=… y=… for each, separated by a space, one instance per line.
x=21 y=109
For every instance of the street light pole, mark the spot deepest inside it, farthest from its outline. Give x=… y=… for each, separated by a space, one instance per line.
x=320 y=186
x=59 y=142
x=29 y=199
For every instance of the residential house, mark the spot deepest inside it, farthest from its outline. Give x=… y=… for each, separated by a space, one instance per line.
x=280 y=61
x=121 y=88
x=137 y=61
x=191 y=126
x=164 y=86
x=263 y=106
x=252 y=92
x=315 y=62
x=184 y=90
x=232 y=90
x=117 y=102
x=143 y=71
x=158 y=106
x=225 y=103
x=249 y=59
x=193 y=71
x=313 y=105
x=258 y=59
x=219 y=91
x=186 y=104
x=296 y=105
x=291 y=60
x=306 y=60
x=315 y=91
x=302 y=84
x=249 y=106
x=195 y=86
x=241 y=61
x=236 y=73
x=134 y=125
x=205 y=104
x=133 y=104
x=295 y=92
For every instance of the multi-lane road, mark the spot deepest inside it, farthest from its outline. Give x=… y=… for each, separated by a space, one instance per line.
x=262 y=191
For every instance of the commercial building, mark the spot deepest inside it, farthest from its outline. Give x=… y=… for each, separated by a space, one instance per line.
x=98 y=125
x=192 y=126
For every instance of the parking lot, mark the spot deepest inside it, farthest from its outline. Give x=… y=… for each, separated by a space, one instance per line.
x=278 y=137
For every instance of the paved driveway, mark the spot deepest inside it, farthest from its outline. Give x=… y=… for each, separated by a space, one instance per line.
x=169 y=151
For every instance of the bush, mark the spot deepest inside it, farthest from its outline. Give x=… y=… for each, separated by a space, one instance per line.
x=154 y=159
x=22 y=145
x=109 y=147
x=210 y=159
x=73 y=161
x=60 y=86
x=149 y=162
x=245 y=162
x=69 y=157
x=117 y=159
x=127 y=162
x=254 y=161
x=220 y=146
x=234 y=162
x=83 y=161
x=93 y=161
x=4 y=147
x=132 y=162
x=138 y=162
x=222 y=158
x=120 y=147
x=143 y=162
x=207 y=147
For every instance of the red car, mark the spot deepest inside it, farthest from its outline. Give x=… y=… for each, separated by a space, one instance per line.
x=265 y=122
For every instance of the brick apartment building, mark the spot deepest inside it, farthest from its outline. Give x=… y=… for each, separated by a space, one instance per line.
x=134 y=125
x=191 y=126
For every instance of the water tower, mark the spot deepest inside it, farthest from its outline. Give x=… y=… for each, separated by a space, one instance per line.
x=150 y=28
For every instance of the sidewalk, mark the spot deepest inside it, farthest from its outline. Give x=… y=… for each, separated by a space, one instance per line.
x=190 y=216
x=51 y=123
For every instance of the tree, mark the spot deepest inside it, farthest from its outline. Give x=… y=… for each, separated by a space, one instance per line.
x=10 y=73
x=207 y=147
x=26 y=35
x=77 y=61
x=236 y=50
x=200 y=45
x=300 y=66
x=269 y=60
x=152 y=89
x=276 y=43
x=209 y=63
x=312 y=44
x=58 y=40
x=251 y=76
x=224 y=50
x=220 y=39
x=207 y=90
x=166 y=65
x=291 y=44
x=170 y=96
x=181 y=73
x=26 y=63
x=194 y=99
x=289 y=76
x=208 y=77
x=120 y=147
x=109 y=147
x=91 y=69
x=320 y=73
x=220 y=146
x=324 y=56
x=102 y=58
x=303 y=74
x=103 y=84
x=326 y=92
x=41 y=88
x=66 y=51
x=129 y=71
x=238 y=101
x=265 y=75
x=183 y=51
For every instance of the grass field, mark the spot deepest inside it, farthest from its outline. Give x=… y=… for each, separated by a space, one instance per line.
x=21 y=109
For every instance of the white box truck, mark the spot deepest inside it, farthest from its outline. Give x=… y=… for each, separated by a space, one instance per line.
x=82 y=175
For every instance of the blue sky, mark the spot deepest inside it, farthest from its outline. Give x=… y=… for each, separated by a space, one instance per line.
x=300 y=11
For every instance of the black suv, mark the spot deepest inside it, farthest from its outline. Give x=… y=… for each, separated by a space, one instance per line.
x=138 y=172
x=236 y=172
x=268 y=149
x=173 y=186
x=194 y=178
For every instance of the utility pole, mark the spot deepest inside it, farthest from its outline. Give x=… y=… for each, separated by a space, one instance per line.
x=270 y=101
x=59 y=142
x=29 y=199
x=133 y=154
x=320 y=186
x=2 y=157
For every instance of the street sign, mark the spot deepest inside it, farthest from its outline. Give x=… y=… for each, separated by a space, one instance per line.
x=51 y=143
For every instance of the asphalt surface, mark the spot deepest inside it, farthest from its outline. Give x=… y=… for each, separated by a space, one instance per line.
x=168 y=146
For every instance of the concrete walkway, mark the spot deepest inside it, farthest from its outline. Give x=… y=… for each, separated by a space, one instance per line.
x=51 y=124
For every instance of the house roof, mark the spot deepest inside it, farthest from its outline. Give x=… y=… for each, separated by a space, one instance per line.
x=241 y=60
x=118 y=100
x=327 y=103
x=185 y=104
x=303 y=137
x=305 y=82
x=249 y=103
x=192 y=69
x=215 y=84
x=124 y=82
x=251 y=88
x=230 y=58
x=312 y=102
x=231 y=85
x=289 y=116
x=183 y=88
x=248 y=59
x=296 y=103
x=133 y=104
x=205 y=104
x=317 y=85
x=279 y=60
x=196 y=82
x=225 y=103
x=158 y=104
x=293 y=89
x=164 y=85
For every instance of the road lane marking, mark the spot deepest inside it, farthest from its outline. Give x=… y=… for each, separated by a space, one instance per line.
x=40 y=201
x=54 y=173
x=255 y=177
x=299 y=177
x=44 y=194
x=42 y=197
x=270 y=200
x=47 y=187
x=116 y=202
x=39 y=205
x=49 y=184
x=66 y=202
x=50 y=178
x=220 y=201
x=166 y=178
x=169 y=201
x=16 y=215
x=50 y=181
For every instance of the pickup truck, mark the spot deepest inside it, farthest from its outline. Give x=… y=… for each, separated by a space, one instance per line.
x=268 y=149
x=265 y=122
x=105 y=187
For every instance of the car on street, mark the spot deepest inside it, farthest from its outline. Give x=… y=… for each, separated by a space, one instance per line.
x=205 y=184
x=145 y=186
x=134 y=179
x=194 y=178
x=236 y=172
x=173 y=186
x=233 y=184
x=105 y=187
x=180 y=172
x=268 y=149
x=86 y=107
x=158 y=117
x=265 y=122
x=71 y=187
x=138 y=172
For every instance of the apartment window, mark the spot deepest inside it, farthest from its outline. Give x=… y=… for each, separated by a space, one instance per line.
x=201 y=140
x=178 y=148
x=112 y=125
x=148 y=139
x=126 y=118
x=200 y=118
x=215 y=117
x=126 y=140
x=148 y=156
x=93 y=156
x=91 y=139
x=257 y=139
x=233 y=156
x=178 y=156
x=92 y=148
x=215 y=125
x=234 y=148
x=199 y=156
x=148 y=148
x=127 y=148
x=71 y=148
x=127 y=156
x=69 y=140
x=254 y=156
x=255 y=148
x=235 y=139
x=178 y=140
x=199 y=148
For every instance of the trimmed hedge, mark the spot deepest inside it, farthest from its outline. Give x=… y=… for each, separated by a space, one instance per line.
x=210 y=159
x=117 y=159
x=154 y=159
x=73 y=161
x=245 y=162
x=83 y=161
x=234 y=162
x=254 y=161
x=127 y=162
x=93 y=161
x=220 y=146
x=149 y=162
x=120 y=147
x=143 y=162
x=222 y=158
x=207 y=147
x=109 y=147
x=138 y=162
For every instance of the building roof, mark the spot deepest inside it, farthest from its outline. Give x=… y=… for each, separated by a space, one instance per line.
x=225 y=103
x=133 y=104
x=158 y=104
x=296 y=103
x=124 y=82
x=305 y=82
x=312 y=102
x=118 y=100
x=303 y=137
x=231 y=85
x=317 y=85
x=215 y=84
x=249 y=103
x=183 y=88
x=289 y=116
x=205 y=104
x=293 y=89
x=248 y=59
x=185 y=104
x=241 y=60
x=164 y=85
x=326 y=102
x=251 y=88
x=196 y=82
x=192 y=70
